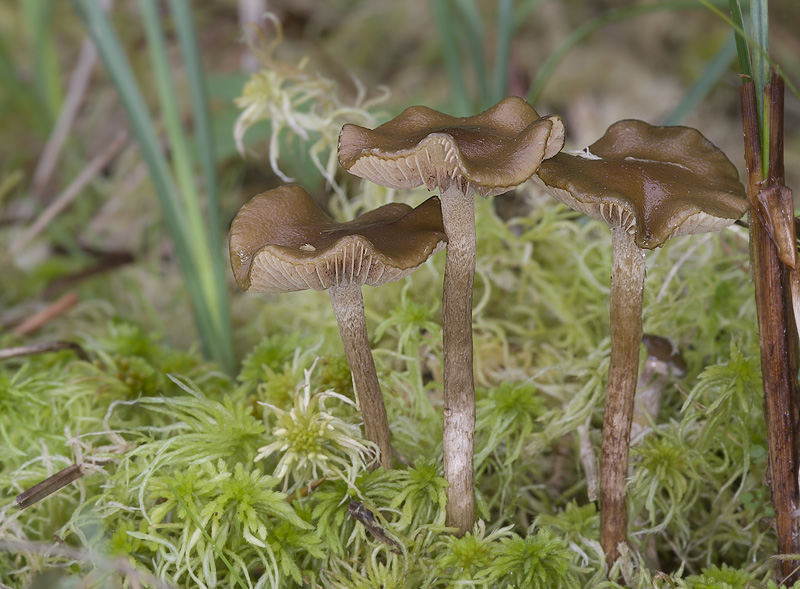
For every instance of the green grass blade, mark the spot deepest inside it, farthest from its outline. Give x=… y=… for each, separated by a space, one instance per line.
x=184 y=26
x=119 y=70
x=181 y=159
x=753 y=44
x=46 y=68
x=524 y=10
x=759 y=27
x=505 y=32
x=473 y=37
x=715 y=69
x=209 y=272
x=452 y=59
x=17 y=98
x=204 y=138
x=759 y=21
x=741 y=41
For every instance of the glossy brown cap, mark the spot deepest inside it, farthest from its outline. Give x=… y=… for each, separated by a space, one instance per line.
x=656 y=182
x=281 y=241
x=665 y=357
x=493 y=151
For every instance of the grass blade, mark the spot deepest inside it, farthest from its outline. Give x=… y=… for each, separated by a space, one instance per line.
x=201 y=241
x=715 y=69
x=473 y=37
x=179 y=228
x=759 y=29
x=524 y=10
x=204 y=138
x=452 y=60
x=503 y=49
x=46 y=68
x=741 y=41
x=753 y=44
x=184 y=26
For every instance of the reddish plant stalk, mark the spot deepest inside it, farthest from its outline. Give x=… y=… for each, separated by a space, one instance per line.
x=776 y=326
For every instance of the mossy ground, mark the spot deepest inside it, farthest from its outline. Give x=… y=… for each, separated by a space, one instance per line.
x=199 y=478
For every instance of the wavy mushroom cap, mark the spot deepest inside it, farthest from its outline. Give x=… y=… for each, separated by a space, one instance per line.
x=493 y=151
x=657 y=182
x=281 y=241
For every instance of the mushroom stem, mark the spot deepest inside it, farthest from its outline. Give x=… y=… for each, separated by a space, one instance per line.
x=348 y=306
x=458 y=216
x=627 y=283
x=650 y=390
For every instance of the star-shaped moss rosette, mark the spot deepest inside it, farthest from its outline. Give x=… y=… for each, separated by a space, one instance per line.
x=486 y=154
x=281 y=241
x=649 y=184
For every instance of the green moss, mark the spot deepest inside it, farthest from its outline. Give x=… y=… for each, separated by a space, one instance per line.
x=199 y=469
x=723 y=577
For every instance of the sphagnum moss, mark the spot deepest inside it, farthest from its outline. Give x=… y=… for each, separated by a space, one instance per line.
x=540 y=318
x=190 y=428
x=312 y=442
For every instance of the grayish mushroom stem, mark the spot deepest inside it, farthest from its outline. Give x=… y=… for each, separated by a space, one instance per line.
x=588 y=459
x=458 y=215
x=348 y=306
x=662 y=364
x=627 y=284
x=650 y=391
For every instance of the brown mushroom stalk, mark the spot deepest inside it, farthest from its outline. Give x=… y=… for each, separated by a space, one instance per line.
x=281 y=241
x=664 y=362
x=627 y=286
x=348 y=306
x=488 y=154
x=648 y=184
x=458 y=214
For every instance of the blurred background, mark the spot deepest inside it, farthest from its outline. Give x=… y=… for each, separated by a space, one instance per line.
x=78 y=204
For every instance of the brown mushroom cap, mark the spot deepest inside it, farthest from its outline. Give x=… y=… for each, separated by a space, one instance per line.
x=665 y=357
x=281 y=241
x=658 y=182
x=493 y=151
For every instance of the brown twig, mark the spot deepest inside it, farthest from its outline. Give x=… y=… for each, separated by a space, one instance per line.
x=106 y=261
x=49 y=486
x=63 y=200
x=363 y=515
x=58 y=481
x=778 y=337
x=43 y=348
x=52 y=310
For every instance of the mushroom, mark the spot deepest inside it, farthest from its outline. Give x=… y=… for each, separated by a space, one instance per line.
x=488 y=154
x=649 y=184
x=281 y=241
x=663 y=362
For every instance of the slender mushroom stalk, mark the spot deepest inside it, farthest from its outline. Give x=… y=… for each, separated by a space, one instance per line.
x=281 y=241
x=663 y=362
x=348 y=306
x=488 y=154
x=649 y=184
x=627 y=286
x=458 y=213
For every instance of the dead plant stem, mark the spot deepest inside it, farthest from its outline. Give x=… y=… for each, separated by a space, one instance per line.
x=778 y=337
